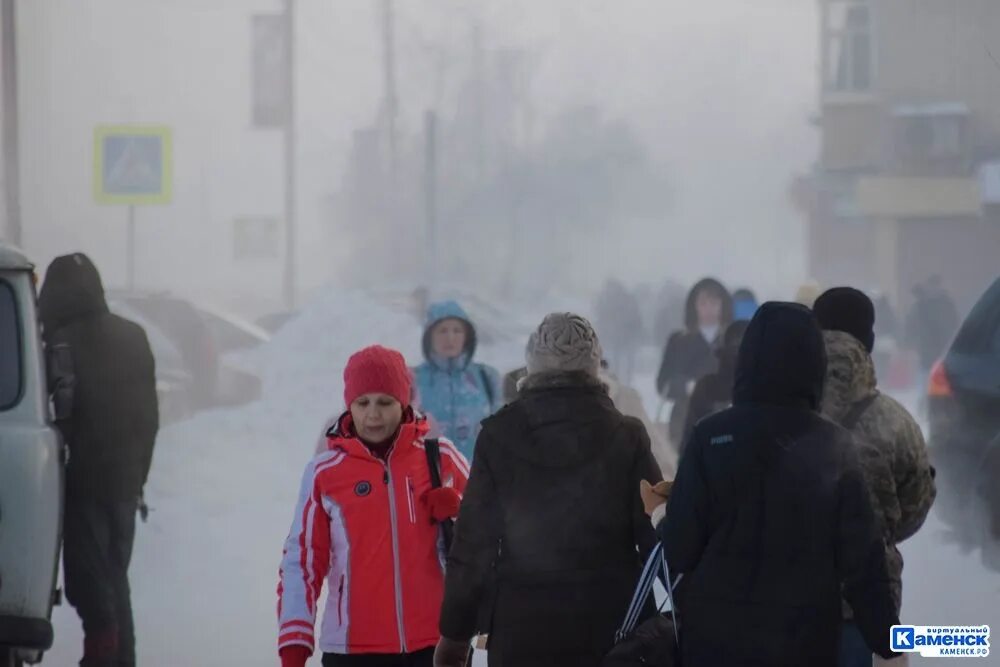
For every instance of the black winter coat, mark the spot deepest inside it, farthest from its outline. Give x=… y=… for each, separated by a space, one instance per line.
x=114 y=419
x=770 y=519
x=714 y=392
x=687 y=355
x=549 y=526
x=932 y=323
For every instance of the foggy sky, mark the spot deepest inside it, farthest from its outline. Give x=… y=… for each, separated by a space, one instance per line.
x=720 y=92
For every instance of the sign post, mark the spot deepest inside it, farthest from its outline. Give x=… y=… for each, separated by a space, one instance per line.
x=131 y=248
x=132 y=166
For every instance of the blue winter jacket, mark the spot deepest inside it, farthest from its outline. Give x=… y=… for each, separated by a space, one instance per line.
x=457 y=393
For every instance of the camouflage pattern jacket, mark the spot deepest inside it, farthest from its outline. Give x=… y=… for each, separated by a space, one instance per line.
x=891 y=445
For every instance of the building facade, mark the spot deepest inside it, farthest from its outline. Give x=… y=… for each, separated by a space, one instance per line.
x=906 y=186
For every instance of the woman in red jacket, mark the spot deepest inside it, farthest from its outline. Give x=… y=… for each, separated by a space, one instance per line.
x=367 y=522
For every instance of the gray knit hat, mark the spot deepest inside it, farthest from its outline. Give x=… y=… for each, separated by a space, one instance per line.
x=564 y=342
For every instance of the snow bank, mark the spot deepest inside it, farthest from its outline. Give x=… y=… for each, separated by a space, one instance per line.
x=223 y=488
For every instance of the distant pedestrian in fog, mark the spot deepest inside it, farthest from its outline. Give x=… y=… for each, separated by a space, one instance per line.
x=807 y=293
x=620 y=324
x=668 y=311
x=714 y=392
x=932 y=322
x=690 y=353
x=745 y=305
x=455 y=390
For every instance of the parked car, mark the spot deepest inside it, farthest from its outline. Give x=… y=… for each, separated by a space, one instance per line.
x=274 y=322
x=989 y=495
x=174 y=382
x=229 y=332
x=963 y=409
x=32 y=458
x=203 y=336
x=237 y=382
x=184 y=327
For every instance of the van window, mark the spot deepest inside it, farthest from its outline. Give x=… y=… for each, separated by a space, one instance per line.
x=10 y=348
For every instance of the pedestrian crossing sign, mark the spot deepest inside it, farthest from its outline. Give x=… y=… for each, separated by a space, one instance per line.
x=132 y=165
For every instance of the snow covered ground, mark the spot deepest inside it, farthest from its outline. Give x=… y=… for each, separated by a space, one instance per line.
x=223 y=489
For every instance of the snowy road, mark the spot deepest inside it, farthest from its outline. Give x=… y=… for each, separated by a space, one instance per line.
x=223 y=487
x=209 y=604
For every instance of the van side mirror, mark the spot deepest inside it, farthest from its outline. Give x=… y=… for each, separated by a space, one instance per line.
x=61 y=380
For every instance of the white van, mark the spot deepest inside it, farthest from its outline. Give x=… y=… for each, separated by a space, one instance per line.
x=32 y=458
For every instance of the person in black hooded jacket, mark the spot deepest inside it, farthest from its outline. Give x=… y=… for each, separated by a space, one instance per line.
x=552 y=517
x=770 y=519
x=110 y=433
x=690 y=354
x=714 y=392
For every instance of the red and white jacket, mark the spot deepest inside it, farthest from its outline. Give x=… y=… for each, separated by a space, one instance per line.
x=359 y=524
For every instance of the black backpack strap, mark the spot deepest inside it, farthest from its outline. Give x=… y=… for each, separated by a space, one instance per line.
x=487 y=386
x=432 y=448
x=857 y=411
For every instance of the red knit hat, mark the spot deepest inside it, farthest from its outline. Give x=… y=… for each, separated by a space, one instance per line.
x=377 y=370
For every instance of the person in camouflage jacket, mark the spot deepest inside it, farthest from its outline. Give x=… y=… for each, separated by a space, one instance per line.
x=890 y=444
x=906 y=494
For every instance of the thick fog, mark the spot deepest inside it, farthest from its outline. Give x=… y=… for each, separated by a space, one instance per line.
x=643 y=140
x=517 y=155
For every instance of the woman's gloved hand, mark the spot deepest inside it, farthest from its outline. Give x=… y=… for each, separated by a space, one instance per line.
x=294 y=656
x=442 y=503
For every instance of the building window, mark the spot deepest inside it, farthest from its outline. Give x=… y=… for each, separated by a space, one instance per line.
x=932 y=134
x=849 y=60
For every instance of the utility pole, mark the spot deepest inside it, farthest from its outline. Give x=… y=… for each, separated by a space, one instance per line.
x=430 y=194
x=389 y=83
x=11 y=140
x=288 y=283
x=479 y=81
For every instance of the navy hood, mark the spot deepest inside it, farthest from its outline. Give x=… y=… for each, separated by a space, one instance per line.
x=782 y=360
x=449 y=310
x=72 y=290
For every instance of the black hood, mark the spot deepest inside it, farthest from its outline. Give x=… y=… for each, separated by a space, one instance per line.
x=782 y=360
x=72 y=290
x=710 y=285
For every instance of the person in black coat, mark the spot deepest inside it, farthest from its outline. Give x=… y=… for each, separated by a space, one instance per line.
x=110 y=433
x=620 y=326
x=690 y=354
x=552 y=526
x=932 y=322
x=714 y=392
x=769 y=519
